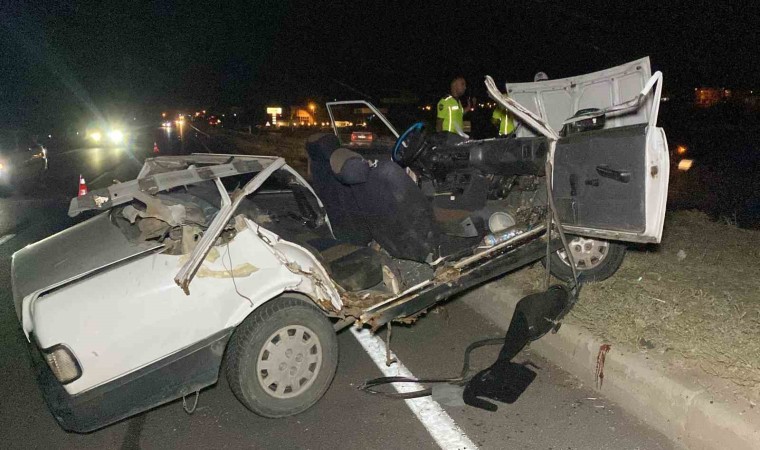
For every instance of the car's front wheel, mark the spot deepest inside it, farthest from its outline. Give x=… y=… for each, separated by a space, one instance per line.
x=282 y=358
x=595 y=259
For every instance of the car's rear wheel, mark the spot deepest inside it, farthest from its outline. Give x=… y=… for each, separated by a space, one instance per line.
x=282 y=358
x=595 y=259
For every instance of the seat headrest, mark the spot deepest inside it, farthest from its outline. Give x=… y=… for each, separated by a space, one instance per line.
x=349 y=167
x=321 y=146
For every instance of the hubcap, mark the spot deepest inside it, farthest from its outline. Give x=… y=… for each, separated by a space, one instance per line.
x=587 y=253
x=289 y=361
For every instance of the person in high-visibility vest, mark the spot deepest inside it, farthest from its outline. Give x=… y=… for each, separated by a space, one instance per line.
x=504 y=120
x=450 y=116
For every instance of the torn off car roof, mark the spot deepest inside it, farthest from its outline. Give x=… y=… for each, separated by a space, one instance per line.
x=167 y=172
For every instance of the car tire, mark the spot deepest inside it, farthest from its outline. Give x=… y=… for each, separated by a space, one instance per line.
x=595 y=259
x=282 y=358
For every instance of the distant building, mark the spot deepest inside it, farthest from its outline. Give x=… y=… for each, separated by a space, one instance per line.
x=706 y=97
x=301 y=116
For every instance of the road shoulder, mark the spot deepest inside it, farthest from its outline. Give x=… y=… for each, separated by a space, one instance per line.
x=693 y=410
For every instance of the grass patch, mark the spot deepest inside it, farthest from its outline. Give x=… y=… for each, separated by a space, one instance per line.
x=695 y=297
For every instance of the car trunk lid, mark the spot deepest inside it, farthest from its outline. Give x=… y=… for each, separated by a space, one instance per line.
x=70 y=254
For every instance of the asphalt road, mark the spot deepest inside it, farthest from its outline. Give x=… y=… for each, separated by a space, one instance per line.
x=556 y=411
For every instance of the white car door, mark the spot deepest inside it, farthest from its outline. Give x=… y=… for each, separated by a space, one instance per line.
x=610 y=183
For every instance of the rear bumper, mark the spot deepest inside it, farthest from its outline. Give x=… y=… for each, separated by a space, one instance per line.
x=182 y=373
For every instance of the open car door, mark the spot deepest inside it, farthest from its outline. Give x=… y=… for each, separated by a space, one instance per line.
x=609 y=182
x=363 y=128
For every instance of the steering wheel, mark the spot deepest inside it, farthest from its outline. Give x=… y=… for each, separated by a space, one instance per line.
x=410 y=145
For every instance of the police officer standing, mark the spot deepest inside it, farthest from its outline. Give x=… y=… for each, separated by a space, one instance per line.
x=450 y=110
x=504 y=120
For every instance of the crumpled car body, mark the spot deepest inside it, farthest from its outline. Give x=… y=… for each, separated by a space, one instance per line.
x=135 y=306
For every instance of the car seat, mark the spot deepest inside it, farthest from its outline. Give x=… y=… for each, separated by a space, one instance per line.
x=339 y=203
x=397 y=214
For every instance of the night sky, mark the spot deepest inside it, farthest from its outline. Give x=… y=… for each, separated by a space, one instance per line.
x=63 y=60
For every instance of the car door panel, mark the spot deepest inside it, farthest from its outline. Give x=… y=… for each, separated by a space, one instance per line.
x=613 y=183
x=610 y=183
x=599 y=179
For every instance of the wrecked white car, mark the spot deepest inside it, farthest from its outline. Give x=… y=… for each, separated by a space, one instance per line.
x=205 y=258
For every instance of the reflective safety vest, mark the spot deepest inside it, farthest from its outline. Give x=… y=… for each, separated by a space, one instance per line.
x=506 y=121
x=451 y=112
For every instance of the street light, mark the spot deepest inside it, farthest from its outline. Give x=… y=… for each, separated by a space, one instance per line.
x=313 y=108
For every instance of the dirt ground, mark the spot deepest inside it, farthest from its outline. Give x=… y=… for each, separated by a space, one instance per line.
x=694 y=298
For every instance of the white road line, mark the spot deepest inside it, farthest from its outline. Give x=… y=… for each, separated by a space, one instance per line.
x=439 y=424
x=6 y=238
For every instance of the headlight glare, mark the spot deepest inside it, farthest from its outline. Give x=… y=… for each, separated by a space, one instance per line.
x=116 y=136
x=62 y=362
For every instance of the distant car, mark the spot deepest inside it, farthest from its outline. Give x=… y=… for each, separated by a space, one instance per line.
x=22 y=159
x=106 y=135
x=362 y=137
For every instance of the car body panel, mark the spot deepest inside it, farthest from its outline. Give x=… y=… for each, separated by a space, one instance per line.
x=159 y=174
x=74 y=252
x=182 y=373
x=641 y=109
x=557 y=100
x=92 y=289
x=97 y=317
x=652 y=198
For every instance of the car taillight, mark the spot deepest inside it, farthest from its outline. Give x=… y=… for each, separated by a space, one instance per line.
x=361 y=137
x=63 y=363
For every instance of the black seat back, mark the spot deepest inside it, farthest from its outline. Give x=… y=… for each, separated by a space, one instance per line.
x=399 y=216
x=336 y=196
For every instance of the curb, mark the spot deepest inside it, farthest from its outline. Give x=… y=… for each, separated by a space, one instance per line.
x=677 y=405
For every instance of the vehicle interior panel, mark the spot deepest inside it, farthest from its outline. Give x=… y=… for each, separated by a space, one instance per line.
x=599 y=178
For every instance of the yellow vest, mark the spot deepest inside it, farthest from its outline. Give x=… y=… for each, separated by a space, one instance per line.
x=451 y=112
x=506 y=121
